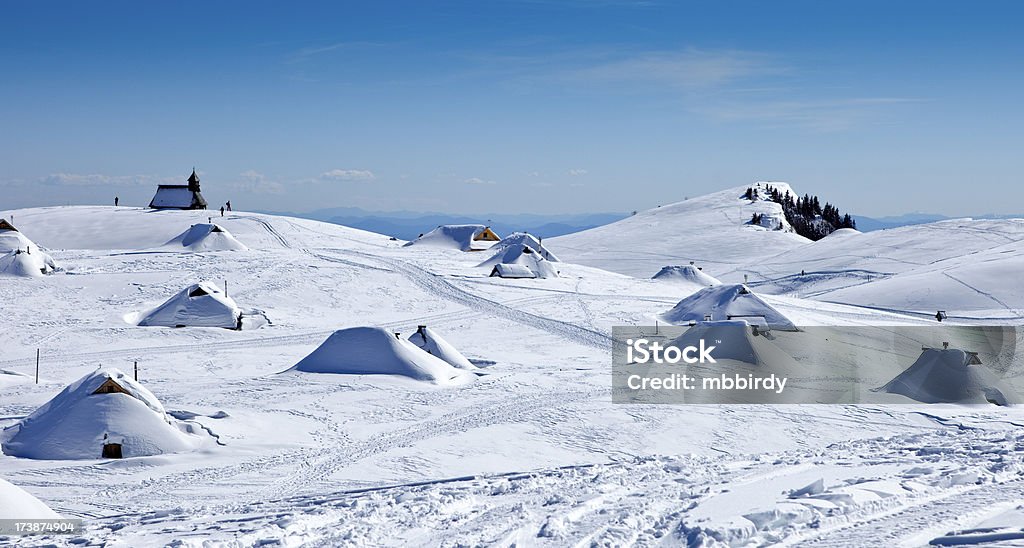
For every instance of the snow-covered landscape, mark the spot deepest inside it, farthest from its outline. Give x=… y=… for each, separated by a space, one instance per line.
x=304 y=383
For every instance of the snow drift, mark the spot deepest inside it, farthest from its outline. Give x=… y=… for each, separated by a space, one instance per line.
x=430 y=342
x=688 y=274
x=103 y=407
x=206 y=237
x=375 y=351
x=461 y=237
x=950 y=376
x=16 y=503
x=27 y=265
x=198 y=305
x=20 y=256
x=728 y=302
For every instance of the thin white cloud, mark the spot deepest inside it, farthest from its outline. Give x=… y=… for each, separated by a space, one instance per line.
x=689 y=69
x=577 y=172
x=98 y=179
x=255 y=182
x=479 y=181
x=349 y=175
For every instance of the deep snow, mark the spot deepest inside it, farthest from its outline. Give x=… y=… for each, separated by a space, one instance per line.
x=532 y=451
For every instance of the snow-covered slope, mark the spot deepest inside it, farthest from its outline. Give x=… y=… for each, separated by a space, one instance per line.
x=712 y=230
x=533 y=451
x=15 y=503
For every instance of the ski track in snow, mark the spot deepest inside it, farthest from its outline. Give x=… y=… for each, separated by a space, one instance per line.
x=437 y=285
x=318 y=485
x=947 y=477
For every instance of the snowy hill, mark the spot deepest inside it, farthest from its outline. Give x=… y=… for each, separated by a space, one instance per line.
x=532 y=451
x=712 y=230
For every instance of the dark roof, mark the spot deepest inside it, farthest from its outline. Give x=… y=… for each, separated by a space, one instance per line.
x=193 y=178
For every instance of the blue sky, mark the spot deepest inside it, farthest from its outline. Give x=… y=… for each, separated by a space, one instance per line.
x=514 y=106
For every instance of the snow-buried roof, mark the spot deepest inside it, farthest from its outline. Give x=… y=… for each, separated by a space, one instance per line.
x=206 y=237
x=376 y=351
x=105 y=406
x=950 y=376
x=513 y=244
x=461 y=237
x=728 y=302
x=16 y=503
x=686 y=273
x=198 y=305
x=430 y=342
x=26 y=265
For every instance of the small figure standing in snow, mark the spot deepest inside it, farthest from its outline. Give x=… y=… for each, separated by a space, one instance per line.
x=802 y=273
x=229 y=205
x=116 y=200
x=221 y=211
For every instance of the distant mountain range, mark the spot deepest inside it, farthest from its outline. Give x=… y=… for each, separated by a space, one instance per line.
x=868 y=224
x=407 y=225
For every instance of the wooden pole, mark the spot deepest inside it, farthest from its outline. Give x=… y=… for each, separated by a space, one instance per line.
x=136 y=371
x=225 y=288
x=37 y=366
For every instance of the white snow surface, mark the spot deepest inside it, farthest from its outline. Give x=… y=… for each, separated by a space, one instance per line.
x=205 y=237
x=376 y=351
x=16 y=503
x=685 y=274
x=712 y=230
x=533 y=451
x=199 y=305
x=77 y=422
x=429 y=341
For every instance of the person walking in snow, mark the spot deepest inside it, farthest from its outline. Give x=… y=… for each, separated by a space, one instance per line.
x=221 y=211
x=229 y=205
x=116 y=199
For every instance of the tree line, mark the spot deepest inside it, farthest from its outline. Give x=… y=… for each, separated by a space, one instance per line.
x=808 y=217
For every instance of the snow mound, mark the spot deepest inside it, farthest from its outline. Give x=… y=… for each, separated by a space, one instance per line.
x=16 y=503
x=206 y=237
x=842 y=233
x=375 y=351
x=950 y=376
x=461 y=237
x=728 y=302
x=527 y=265
x=687 y=274
x=519 y=240
x=103 y=407
x=521 y=250
x=27 y=265
x=198 y=305
x=430 y=342
x=735 y=340
x=20 y=256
